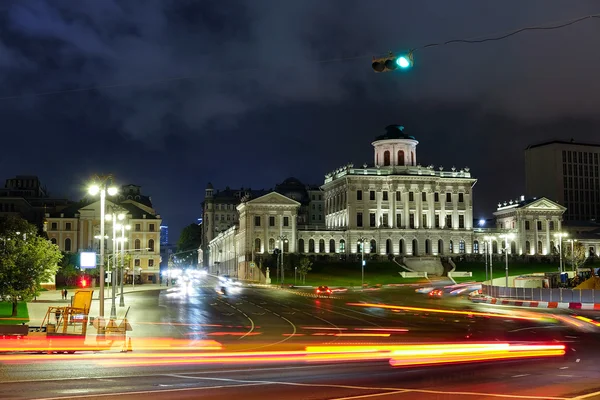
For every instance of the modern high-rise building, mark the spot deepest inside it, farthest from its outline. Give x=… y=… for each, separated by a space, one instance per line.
x=566 y=172
x=164 y=234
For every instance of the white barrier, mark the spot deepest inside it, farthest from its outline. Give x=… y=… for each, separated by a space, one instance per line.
x=460 y=274
x=419 y=274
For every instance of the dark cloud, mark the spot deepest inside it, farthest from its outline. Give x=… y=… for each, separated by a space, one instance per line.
x=260 y=99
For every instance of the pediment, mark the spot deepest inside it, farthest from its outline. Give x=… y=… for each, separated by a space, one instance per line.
x=273 y=198
x=544 y=204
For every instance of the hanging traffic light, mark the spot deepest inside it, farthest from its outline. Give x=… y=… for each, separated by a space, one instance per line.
x=392 y=62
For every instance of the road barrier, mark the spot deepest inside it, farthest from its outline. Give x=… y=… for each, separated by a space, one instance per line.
x=543 y=294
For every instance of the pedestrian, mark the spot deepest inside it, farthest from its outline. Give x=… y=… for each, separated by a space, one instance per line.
x=62 y=294
x=66 y=293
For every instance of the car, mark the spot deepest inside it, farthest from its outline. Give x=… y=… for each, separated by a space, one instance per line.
x=436 y=293
x=323 y=291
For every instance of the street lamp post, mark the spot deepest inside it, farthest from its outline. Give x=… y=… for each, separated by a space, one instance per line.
x=485 y=251
x=282 y=240
x=560 y=236
x=361 y=241
x=488 y=240
x=506 y=237
x=123 y=239
x=102 y=188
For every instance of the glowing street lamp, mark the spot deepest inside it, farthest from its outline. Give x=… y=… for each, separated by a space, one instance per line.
x=101 y=187
x=488 y=247
x=560 y=236
x=362 y=241
x=506 y=237
x=282 y=240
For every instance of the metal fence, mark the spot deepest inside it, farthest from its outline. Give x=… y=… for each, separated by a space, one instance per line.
x=543 y=294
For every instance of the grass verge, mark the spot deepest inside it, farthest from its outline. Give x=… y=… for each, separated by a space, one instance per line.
x=499 y=269
x=6 y=312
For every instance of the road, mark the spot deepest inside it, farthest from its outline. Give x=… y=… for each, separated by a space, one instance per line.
x=265 y=320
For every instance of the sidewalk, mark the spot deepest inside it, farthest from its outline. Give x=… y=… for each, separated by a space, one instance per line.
x=39 y=307
x=536 y=304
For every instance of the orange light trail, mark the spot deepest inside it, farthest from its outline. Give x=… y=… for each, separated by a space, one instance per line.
x=441 y=311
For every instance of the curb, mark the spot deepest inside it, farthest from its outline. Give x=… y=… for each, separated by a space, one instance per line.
x=537 y=304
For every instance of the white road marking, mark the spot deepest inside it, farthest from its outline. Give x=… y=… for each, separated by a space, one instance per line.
x=520 y=375
x=365 y=396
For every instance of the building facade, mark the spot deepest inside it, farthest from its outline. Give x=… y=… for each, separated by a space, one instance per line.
x=77 y=228
x=395 y=206
x=25 y=196
x=568 y=173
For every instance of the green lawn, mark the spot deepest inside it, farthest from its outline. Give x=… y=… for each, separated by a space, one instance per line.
x=498 y=268
x=6 y=312
x=349 y=274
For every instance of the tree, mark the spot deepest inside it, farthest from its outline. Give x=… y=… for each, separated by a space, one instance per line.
x=304 y=266
x=576 y=258
x=188 y=244
x=67 y=269
x=26 y=260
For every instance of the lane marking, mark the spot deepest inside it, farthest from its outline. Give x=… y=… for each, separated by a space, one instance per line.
x=4 y=382
x=400 y=390
x=99 y=395
x=586 y=396
x=365 y=396
x=520 y=375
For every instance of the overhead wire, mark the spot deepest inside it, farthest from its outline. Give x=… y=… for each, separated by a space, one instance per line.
x=480 y=39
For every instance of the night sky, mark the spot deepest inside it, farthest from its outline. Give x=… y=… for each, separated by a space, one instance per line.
x=236 y=92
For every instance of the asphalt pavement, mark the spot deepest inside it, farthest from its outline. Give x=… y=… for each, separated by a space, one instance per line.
x=267 y=319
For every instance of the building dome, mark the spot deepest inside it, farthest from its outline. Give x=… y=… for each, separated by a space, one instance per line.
x=394 y=132
x=395 y=148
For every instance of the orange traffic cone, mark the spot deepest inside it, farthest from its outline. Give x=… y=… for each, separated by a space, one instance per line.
x=129 y=348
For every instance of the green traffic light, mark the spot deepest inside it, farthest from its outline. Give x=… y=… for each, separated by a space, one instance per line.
x=403 y=62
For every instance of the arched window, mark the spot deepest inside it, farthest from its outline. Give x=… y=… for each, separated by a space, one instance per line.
x=513 y=248
x=476 y=247
x=359 y=247
x=494 y=247
x=412 y=158
x=440 y=246
x=539 y=247
x=461 y=247
x=451 y=247
x=151 y=245
x=271 y=245
x=68 y=244
x=322 y=246
x=257 y=245
x=332 y=246
x=300 y=245
x=286 y=246
x=528 y=247
x=53 y=240
x=386 y=158
x=377 y=159
x=388 y=246
x=427 y=246
x=342 y=246
x=401 y=246
x=311 y=245
x=553 y=249
x=400 y=157
x=373 y=246
x=137 y=244
x=415 y=246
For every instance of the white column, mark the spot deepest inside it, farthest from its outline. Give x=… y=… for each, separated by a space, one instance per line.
x=392 y=210
x=378 y=197
x=265 y=241
x=418 y=209
x=443 y=211
x=454 y=210
x=535 y=226
x=293 y=239
x=406 y=208
x=468 y=210
x=430 y=201
x=547 y=227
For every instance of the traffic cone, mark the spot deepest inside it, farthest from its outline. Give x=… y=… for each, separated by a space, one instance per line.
x=129 y=348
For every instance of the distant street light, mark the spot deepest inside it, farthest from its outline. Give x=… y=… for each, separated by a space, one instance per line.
x=506 y=237
x=362 y=241
x=101 y=187
x=560 y=236
x=488 y=241
x=282 y=240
